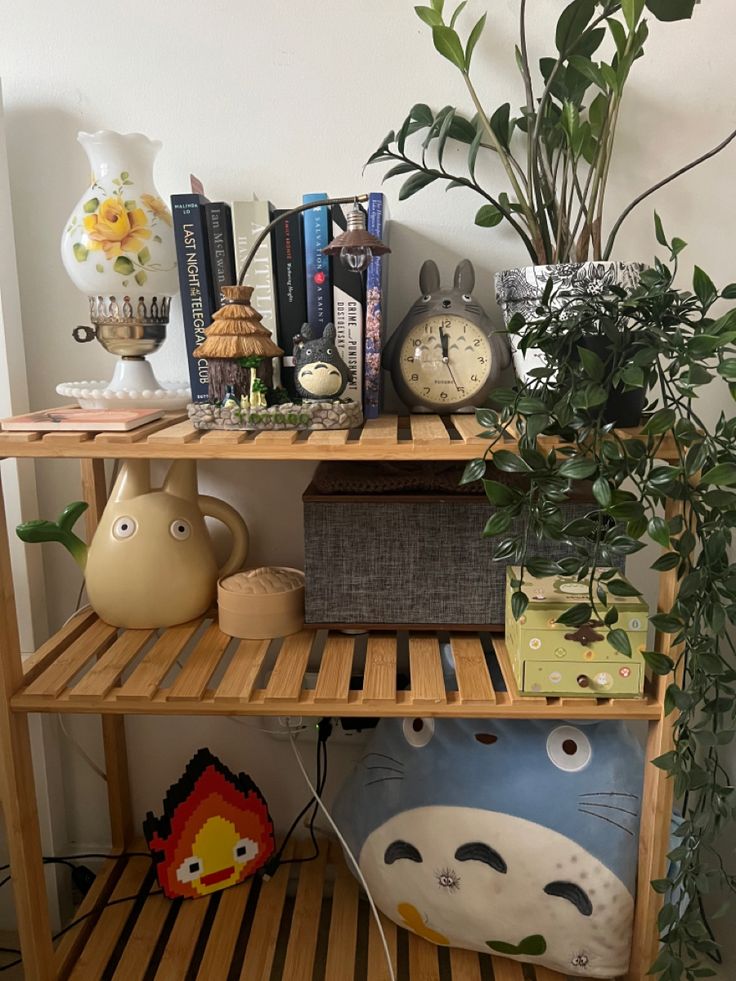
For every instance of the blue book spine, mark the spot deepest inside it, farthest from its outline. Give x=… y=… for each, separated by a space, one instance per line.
x=375 y=314
x=317 y=266
x=195 y=283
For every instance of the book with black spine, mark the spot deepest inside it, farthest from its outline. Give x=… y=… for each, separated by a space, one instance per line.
x=288 y=251
x=317 y=235
x=221 y=247
x=348 y=299
x=195 y=283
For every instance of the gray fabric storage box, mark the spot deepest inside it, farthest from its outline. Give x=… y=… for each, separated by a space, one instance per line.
x=404 y=559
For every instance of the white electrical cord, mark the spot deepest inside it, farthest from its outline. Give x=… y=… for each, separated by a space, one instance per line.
x=81 y=750
x=350 y=855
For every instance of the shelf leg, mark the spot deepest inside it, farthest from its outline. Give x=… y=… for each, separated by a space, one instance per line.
x=657 y=799
x=94 y=489
x=18 y=791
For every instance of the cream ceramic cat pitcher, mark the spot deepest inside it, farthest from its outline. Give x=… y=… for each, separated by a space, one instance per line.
x=151 y=562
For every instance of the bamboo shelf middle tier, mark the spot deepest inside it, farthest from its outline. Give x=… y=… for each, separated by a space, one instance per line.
x=194 y=668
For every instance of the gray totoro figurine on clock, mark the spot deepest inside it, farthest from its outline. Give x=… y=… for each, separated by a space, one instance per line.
x=445 y=355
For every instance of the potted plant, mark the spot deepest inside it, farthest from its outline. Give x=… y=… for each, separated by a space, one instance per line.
x=555 y=151
x=669 y=342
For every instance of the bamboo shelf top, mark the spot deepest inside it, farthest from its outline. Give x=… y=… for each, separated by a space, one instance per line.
x=256 y=931
x=195 y=669
x=418 y=437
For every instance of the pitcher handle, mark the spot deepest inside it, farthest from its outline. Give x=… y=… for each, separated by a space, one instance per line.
x=214 y=508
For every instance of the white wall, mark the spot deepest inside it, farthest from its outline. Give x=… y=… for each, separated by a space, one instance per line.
x=280 y=98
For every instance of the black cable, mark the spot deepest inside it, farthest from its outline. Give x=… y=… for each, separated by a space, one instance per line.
x=68 y=859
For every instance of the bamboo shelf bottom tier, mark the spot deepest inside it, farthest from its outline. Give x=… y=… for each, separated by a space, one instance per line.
x=309 y=923
x=194 y=668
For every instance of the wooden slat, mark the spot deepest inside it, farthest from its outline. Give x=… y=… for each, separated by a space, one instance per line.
x=333 y=683
x=590 y=702
x=73 y=940
x=181 y=432
x=19 y=437
x=287 y=676
x=340 y=962
x=423 y=963
x=379 y=681
x=199 y=667
x=180 y=946
x=264 y=932
x=276 y=437
x=104 y=675
x=300 y=950
x=506 y=970
x=48 y=652
x=66 y=438
x=377 y=969
x=471 y=671
x=224 y=436
x=425 y=665
x=428 y=429
x=148 y=675
x=54 y=680
x=96 y=953
x=384 y=430
x=134 y=961
x=223 y=935
x=544 y=974
x=242 y=671
x=329 y=437
x=142 y=432
x=468 y=428
x=504 y=663
x=465 y=965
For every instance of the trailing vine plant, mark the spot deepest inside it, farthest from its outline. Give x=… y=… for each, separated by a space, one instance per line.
x=671 y=343
x=555 y=151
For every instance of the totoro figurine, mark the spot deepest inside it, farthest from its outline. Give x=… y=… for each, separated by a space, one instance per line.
x=445 y=355
x=319 y=371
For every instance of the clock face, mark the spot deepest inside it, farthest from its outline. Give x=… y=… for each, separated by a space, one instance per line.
x=445 y=360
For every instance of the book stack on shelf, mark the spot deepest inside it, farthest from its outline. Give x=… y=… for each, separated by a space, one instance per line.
x=294 y=283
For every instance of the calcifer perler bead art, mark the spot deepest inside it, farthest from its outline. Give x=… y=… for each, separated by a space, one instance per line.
x=215 y=831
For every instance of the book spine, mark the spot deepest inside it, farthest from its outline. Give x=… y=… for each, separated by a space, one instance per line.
x=288 y=249
x=220 y=241
x=347 y=301
x=249 y=220
x=195 y=283
x=318 y=279
x=375 y=314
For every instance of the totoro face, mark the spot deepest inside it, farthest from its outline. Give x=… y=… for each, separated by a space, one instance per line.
x=456 y=299
x=320 y=371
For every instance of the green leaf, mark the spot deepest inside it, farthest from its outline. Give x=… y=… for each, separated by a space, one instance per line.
x=488 y=216
x=660 y=422
x=422 y=114
x=140 y=277
x=510 y=462
x=473 y=151
x=619 y=640
x=99 y=267
x=722 y=475
x=124 y=175
x=497 y=523
x=659 y=231
x=519 y=603
x=602 y=492
x=620 y=587
x=130 y=205
x=573 y=21
x=144 y=256
x=462 y=130
x=124 y=266
x=80 y=252
x=658 y=531
x=671 y=9
x=437 y=5
x=666 y=562
x=401 y=168
x=473 y=39
x=429 y=16
x=589 y=69
x=632 y=12
x=474 y=470
x=447 y=42
x=415 y=183
x=497 y=493
x=91 y=205
x=576 y=615
x=458 y=10
x=500 y=124
x=729 y=292
x=703 y=286
x=665 y=622
x=578 y=467
x=592 y=364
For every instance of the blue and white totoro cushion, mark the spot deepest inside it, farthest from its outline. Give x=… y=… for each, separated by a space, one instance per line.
x=507 y=836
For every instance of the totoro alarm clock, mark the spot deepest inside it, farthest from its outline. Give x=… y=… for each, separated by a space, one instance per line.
x=445 y=355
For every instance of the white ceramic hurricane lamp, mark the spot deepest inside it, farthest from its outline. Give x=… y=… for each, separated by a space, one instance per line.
x=118 y=248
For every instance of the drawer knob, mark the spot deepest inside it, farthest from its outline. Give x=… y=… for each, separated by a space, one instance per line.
x=583 y=680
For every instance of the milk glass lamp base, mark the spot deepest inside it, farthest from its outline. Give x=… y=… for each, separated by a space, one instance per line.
x=133 y=386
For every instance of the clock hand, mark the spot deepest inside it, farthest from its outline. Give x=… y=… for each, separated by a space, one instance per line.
x=444 y=340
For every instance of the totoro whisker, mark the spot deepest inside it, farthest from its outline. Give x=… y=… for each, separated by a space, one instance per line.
x=608 y=793
x=384 y=766
x=609 y=807
x=369 y=783
x=607 y=820
x=383 y=756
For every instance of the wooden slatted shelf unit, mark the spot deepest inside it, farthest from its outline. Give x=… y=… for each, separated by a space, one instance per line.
x=319 y=929
x=307 y=923
x=419 y=437
x=195 y=669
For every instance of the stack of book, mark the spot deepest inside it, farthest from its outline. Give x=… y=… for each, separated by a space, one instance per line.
x=294 y=283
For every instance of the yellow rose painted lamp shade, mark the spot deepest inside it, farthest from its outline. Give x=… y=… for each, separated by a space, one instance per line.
x=118 y=248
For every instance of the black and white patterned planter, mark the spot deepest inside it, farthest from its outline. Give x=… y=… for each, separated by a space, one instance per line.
x=520 y=291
